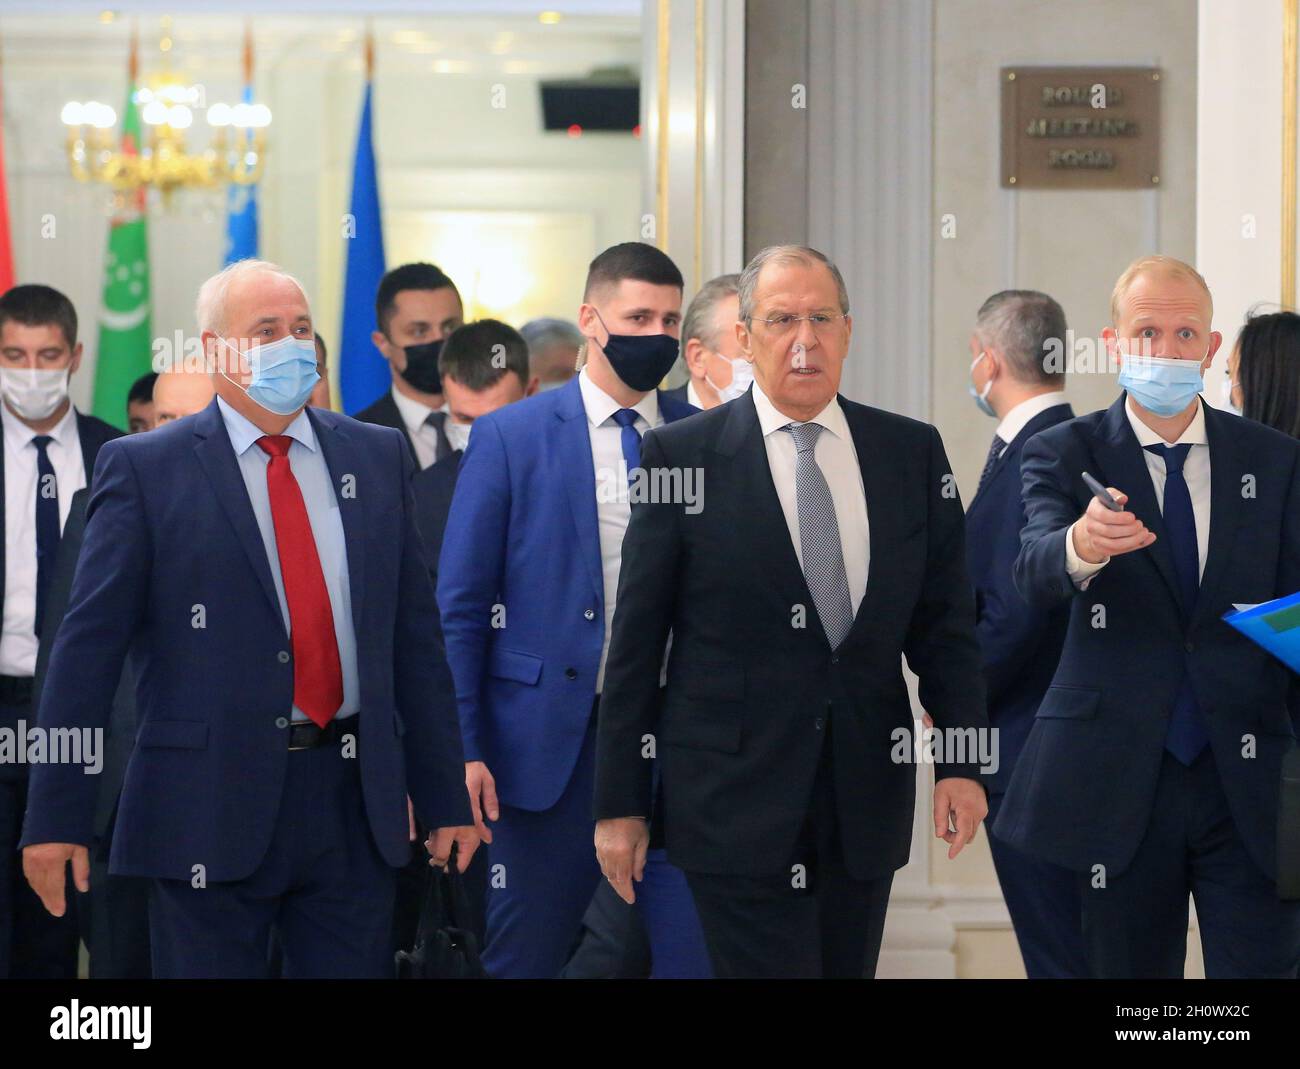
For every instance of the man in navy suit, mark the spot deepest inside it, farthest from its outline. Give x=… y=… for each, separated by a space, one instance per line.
x=1014 y=380
x=49 y=454
x=262 y=565
x=526 y=585
x=1153 y=765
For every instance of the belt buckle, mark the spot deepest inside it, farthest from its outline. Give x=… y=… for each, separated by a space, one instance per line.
x=315 y=740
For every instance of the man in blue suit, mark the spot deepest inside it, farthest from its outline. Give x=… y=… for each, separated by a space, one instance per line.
x=1153 y=765
x=1020 y=644
x=526 y=586
x=261 y=563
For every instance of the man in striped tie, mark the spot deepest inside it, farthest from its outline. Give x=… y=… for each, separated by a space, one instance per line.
x=261 y=560
x=829 y=546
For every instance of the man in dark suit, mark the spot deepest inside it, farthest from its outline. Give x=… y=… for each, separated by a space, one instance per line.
x=526 y=585
x=1014 y=380
x=261 y=562
x=718 y=370
x=416 y=308
x=113 y=916
x=49 y=454
x=787 y=797
x=1153 y=765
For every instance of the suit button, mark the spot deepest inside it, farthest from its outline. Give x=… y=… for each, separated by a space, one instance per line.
x=590 y=614
x=818 y=723
x=1188 y=647
x=281 y=722
x=835 y=658
x=570 y=673
x=282 y=656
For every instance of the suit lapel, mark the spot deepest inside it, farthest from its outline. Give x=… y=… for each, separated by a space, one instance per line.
x=573 y=447
x=217 y=457
x=337 y=447
x=1049 y=417
x=1226 y=474
x=1123 y=466
x=885 y=521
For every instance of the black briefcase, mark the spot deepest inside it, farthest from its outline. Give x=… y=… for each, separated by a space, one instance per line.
x=444 y=948
x=1288 y=829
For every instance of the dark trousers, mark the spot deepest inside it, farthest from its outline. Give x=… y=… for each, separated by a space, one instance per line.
x=33 y=944
x=1045 y=906
x=1136 y=924
x=115 y=923
x=323 y=886
x=813 y=920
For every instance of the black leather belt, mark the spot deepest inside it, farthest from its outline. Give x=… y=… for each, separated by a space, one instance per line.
x=15 y=690
x=307 y=735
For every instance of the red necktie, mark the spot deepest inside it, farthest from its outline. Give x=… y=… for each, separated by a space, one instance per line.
x=317 y=676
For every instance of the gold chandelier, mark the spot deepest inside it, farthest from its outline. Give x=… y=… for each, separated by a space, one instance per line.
x=161 y=159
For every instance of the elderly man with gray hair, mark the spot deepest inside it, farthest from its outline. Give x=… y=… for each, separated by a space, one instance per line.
x=261 y=561
x=553 y=346
x=718 y=369
x=1014 y=381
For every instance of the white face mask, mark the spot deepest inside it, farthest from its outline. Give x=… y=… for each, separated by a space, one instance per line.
x=742 y=376
x=1228 y=386
x=34 y=393
x=457 y=433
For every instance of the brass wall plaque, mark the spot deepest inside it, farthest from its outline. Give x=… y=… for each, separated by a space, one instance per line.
x=1080 y=127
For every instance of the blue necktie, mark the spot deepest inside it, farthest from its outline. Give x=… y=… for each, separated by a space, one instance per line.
x=995 y=453
x=819 y=536
x=47 y=524
x=626 y=418
x=1186 y=737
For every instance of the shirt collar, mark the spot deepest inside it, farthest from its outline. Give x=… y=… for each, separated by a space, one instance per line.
x=1193 y=435
x=770 y=419
x=1018 y=418
x=413 y=412
x=19 y=435
x=692 y=396
x=244 y=432
x=600 y=406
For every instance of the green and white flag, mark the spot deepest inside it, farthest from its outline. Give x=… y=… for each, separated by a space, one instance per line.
x=125 y=335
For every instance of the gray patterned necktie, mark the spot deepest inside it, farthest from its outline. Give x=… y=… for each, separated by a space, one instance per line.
x=819 y=536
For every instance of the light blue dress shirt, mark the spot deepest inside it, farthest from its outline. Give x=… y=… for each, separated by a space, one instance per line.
x=312 y=473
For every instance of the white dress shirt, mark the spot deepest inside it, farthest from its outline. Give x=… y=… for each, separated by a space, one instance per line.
x=312 y=475
x=692 y=396
x=1196 y=473
x=838 y=458
x=423 y=435
x=1018 y=418
x=613 y=510
x=18 y=643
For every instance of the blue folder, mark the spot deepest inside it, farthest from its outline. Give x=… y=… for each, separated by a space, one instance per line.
x=1275 y=625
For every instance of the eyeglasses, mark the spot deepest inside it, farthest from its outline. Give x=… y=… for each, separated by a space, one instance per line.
x=820 y=322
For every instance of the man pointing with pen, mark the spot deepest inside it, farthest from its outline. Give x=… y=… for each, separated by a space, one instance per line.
x=1153 y=765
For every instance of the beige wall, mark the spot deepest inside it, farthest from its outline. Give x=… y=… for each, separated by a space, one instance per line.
x=1070 y=244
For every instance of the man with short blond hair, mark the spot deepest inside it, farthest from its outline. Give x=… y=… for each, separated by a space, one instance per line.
x=1153 y=765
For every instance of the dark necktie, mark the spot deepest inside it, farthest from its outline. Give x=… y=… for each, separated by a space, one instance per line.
x=47 y=524
x=631 y=440
x=317 y=674
x=1186 y=736
x=995 y=451
x=437 y=421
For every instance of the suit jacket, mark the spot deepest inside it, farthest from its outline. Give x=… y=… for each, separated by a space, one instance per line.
x=119 y=738
x=93 y=433
x=383 y=412
x=740 y=727
x=433 y=488
x=1019 y=643
x=1081 y=793
x=678 y=393
x=173 y=565
x=522 y=534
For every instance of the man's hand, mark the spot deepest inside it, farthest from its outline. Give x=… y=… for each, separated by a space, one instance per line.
x=621 y=844
x=1101 y=533
x=482 y=797
x=964 y=803
x=410 y=819
x=439 y=843
x=43 y=865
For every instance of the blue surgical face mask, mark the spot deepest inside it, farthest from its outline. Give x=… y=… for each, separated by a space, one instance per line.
x=1227 y=387
x=1161 y=385
x=284 y=373
x=982 y=398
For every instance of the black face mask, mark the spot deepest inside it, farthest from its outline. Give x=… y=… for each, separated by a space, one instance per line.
x=640 y=360
x=422 y=366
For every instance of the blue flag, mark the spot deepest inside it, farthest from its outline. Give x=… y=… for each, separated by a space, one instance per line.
x=363 y=372
x=241 y=208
